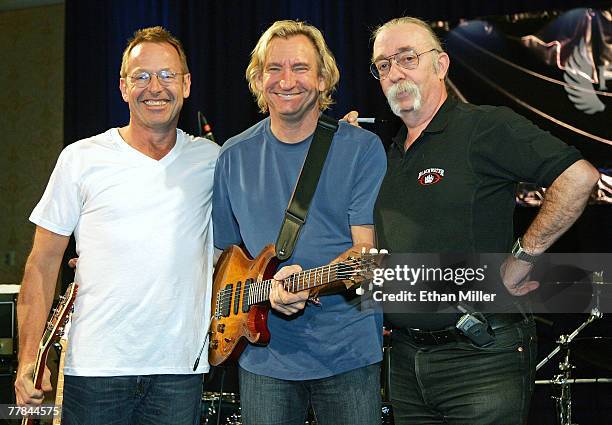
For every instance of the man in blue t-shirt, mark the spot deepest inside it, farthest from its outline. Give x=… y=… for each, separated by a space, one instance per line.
x=324 y=354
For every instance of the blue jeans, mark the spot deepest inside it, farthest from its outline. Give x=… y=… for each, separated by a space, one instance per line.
x=351 y=398
x=459 y=383
x=132 y=400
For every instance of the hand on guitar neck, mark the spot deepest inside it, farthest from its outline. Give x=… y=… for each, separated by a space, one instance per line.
x=33 y=378
x=244 y=288
x=25 y=392
x=284 y=301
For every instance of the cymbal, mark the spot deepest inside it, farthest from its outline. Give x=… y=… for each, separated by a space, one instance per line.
x=596 y=350
x=566 y=288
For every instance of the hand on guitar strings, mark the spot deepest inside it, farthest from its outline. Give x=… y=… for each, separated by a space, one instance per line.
x=284 y=301
x=26 y=394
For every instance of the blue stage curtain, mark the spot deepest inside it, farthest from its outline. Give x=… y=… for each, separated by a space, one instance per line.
x=218 y=37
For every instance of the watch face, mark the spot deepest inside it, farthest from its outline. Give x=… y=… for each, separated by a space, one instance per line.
x=516 y=248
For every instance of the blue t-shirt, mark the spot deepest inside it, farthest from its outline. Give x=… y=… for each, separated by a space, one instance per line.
x=254 y=179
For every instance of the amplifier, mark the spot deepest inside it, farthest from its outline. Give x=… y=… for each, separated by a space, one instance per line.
x=8 y=319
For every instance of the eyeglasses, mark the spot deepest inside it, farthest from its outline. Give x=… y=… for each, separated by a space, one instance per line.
x=408 y=59
x=164 y=77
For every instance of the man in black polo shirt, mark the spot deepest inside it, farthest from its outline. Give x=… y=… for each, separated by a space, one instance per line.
x=449 y=187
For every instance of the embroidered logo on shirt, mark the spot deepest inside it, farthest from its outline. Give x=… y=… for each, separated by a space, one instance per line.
x=430 y=176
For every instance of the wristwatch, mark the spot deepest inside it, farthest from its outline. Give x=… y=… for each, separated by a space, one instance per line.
x=519 y=253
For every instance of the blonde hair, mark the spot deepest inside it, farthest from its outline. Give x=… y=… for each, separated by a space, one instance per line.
x=327 y=68
x=435 y=41
x=153 y=35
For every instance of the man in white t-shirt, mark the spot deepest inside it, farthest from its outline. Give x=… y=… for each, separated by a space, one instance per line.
x=138 y=200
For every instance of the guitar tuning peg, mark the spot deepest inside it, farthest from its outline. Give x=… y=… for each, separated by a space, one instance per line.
x=359 y=291
x=383 y=251
x=373 y=251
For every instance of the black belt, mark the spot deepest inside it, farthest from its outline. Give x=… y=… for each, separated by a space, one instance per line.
x=445 y=336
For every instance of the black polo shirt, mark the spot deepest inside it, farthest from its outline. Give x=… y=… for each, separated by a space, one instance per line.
x=453 y=190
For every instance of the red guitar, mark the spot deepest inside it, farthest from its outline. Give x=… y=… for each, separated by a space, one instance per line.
x=53 y=331
x=241 y=289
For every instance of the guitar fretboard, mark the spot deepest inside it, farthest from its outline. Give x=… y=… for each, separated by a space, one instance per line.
x=257 y=292
x=59 y=387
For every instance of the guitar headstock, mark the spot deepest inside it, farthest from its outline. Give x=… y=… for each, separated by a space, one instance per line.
x=374 y=256
x=365 y=264
x=60 y=317
x=350 y=269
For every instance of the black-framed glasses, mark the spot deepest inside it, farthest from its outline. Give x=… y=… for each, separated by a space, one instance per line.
x=164 y=77
x=408 y=59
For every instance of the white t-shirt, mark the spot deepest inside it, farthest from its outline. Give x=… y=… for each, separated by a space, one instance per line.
x=144 y=239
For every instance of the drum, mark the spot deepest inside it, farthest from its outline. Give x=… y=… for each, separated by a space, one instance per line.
x=597 y=350
x=226 y=405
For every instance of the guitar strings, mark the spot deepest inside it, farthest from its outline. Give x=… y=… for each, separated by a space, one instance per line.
x=258 y=291
x=340 y=271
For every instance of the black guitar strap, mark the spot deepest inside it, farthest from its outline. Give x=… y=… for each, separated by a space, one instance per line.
x=297 y=210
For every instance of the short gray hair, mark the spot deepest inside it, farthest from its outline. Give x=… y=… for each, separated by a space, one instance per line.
x=435 y=41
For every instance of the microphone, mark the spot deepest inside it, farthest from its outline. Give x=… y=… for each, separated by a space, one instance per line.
x=205 y=128
x=364 y=120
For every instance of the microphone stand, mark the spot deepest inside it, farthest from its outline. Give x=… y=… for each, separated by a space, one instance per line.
x=563 y=401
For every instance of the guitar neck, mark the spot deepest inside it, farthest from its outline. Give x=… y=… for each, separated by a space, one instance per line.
x=59 y=387
x=306 y=279
x=37 y=377
x=39 y=366
x=53 y=330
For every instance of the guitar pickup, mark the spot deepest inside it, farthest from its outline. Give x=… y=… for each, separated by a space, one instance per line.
x=237 y=298
x=225 y=300
x=245 y=297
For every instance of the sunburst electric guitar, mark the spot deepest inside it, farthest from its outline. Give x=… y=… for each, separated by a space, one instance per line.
x=53 y=331
x=241 y=290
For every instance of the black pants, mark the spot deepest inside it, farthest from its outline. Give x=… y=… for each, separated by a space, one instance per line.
x=459 y=383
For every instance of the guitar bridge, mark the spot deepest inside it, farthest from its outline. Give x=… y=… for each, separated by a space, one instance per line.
x=223 y=302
